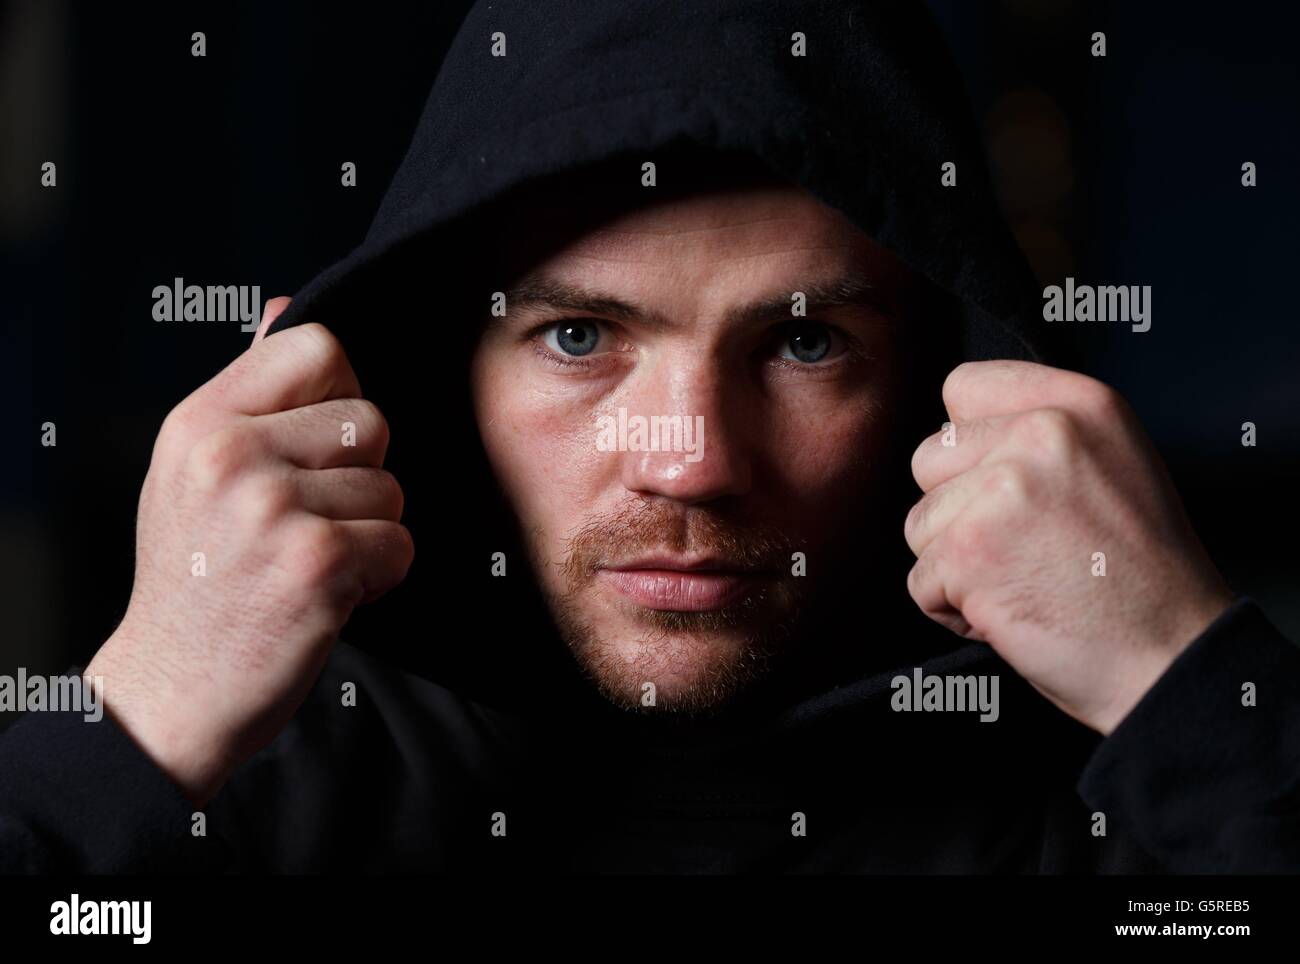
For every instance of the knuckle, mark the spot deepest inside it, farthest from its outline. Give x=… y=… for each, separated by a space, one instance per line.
x=912 y=522
x=178 y=419
x=1008 y=481
x=179 y=427
x=919 y=516
x=1051 y=431
x=392 y=494
x=1099 y=399
x=271 y=498
x=926 y=582
x=320 y=343
x=404 y=545
x=972 y=540
x=318 y=552
x=366 y=421
x=957 y=376
x=918 y=455
x=979 y=608
x=368 y=416
x=924 y=453
x=916 y=577
x=216 y=460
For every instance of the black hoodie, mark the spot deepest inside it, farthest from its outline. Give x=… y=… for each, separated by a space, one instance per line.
x=470 y=716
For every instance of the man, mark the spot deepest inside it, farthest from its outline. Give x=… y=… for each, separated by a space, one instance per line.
x=671 y=299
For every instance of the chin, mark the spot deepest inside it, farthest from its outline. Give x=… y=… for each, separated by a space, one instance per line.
x=669 y=661
x=665 y=670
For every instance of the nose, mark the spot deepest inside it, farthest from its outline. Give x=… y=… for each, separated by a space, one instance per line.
x=691 y=446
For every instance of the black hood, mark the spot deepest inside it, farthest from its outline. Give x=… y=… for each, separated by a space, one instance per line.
x=865 y=121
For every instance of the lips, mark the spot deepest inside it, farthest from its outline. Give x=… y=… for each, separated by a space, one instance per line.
x=681 y=586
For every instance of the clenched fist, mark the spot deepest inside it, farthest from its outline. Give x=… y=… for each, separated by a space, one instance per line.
x=265 y=518
x=1039 y=472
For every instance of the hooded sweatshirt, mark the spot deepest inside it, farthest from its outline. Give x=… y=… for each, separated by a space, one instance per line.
x=473 y=744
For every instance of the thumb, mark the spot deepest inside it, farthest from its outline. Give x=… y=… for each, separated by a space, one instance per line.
x=273 y=309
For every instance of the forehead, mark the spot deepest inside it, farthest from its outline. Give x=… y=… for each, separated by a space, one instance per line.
x=761 y=226
x=720 y=225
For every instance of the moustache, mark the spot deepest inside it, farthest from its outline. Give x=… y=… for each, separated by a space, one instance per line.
x=647 y=529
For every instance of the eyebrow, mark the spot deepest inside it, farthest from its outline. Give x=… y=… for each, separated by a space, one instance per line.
x=540 y=292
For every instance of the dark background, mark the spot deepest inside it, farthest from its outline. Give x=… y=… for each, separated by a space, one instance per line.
x=225 y=170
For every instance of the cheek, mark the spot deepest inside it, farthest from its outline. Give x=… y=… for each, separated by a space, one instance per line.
x=541 y=448
x=831 y=456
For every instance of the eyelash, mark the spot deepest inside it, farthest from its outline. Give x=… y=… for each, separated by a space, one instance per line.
x=554 y=358
x=852 y=354
x=570 y=362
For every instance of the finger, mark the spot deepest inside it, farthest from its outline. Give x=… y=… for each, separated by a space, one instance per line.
x=951 y=451
x=299 y=366
x=938 y=508
x=984 y=389
x=927 y=587
x=272 y=310
x=339 y=432
x=383 y=552
x=350 y=493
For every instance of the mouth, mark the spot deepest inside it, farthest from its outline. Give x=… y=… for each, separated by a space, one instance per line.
x=682 y=585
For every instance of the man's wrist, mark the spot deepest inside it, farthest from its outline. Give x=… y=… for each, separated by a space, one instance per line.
x=1151 y=662
x=162 y=721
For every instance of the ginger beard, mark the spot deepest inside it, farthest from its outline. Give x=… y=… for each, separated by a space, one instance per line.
x=696 y=658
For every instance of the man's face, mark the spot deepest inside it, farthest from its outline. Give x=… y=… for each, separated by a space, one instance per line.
x=671 y=434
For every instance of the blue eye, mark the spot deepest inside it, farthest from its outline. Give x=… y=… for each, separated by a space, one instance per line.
x=573 y=337
x=810 y=343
